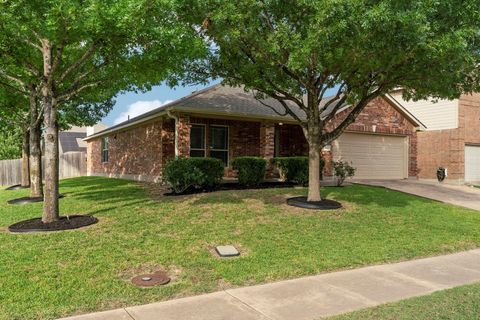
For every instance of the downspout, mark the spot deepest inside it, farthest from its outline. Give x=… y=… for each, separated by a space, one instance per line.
x=175 y=117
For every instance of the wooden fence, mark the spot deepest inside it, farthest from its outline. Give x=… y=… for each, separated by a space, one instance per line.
x=72 y=164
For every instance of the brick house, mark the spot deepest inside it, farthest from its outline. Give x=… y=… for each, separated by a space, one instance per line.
x=451 y=138
x=226 y=122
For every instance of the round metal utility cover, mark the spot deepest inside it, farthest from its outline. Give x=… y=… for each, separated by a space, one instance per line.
x=150 y=280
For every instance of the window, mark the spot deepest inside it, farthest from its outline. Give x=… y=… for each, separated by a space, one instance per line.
x=105 y=149
x=219 y=143
x=197 y=140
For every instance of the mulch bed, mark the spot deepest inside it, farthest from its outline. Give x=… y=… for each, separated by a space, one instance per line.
x=16 y=187
x=65 y=223
x=25 y=200
x=234 y=186
x=325 y=204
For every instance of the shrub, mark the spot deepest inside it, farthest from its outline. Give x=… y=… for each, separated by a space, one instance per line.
x=295 y=169
x=183 y=173
x=210 y=171
x=292 y=169
x=251 y=170
x=342 y=171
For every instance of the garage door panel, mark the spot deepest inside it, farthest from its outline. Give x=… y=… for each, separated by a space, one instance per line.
x=472 y=163
x=374 y=156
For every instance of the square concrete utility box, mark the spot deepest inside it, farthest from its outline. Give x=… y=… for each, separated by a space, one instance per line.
x=227 y=251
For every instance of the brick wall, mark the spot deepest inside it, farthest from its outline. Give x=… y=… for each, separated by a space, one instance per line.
x=382 y=115
x=470 y=117
x=136 y=152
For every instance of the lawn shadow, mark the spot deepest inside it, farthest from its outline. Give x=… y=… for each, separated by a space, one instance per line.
x=355 y=194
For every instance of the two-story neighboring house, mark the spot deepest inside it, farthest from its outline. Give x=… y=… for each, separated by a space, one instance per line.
x=451 y=139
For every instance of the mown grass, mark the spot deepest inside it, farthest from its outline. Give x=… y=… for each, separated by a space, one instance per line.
x=462 y=303
x=43 y=276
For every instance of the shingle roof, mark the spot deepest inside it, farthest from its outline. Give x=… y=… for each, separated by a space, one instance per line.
x=69 y=141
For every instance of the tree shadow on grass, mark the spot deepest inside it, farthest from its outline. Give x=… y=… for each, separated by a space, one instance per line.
x=357 y=195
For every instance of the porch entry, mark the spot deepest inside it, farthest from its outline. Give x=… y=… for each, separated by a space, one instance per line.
x=209 y=141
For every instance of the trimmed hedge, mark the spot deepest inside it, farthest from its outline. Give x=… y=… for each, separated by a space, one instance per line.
x=295 y=169
x=251 y=170
x=183 y=173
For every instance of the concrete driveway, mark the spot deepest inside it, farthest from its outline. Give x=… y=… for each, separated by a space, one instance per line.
x=463 y=196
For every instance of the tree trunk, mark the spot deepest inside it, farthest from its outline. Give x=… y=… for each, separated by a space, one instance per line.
x=314 y=172
x=50 y=203
x=25 y=159
x=36 y=188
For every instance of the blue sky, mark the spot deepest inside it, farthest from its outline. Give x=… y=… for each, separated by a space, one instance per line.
x=134 y=104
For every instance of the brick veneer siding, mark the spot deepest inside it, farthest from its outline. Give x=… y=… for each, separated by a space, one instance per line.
x=446 y=148
x=183 y=130
x=136 y=153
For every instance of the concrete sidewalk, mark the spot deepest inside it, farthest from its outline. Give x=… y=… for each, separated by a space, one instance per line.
x=316 y=296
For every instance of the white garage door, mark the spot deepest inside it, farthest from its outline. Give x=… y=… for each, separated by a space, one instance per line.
x=374 y=156
x=472 y=163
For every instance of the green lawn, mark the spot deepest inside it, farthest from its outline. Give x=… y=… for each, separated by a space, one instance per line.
x=43 y=276
x=462 y=303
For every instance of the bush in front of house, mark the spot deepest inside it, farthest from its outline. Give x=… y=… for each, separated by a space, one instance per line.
x=251 y=170
x=183 y=173
x=210 y=172
x=342 y=170
x=294 y=169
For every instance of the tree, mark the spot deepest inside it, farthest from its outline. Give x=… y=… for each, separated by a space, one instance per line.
x=296 y=51
x=83 y=52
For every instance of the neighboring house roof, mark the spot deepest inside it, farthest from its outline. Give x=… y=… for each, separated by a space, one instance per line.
x=72 y=141
x=228 y=101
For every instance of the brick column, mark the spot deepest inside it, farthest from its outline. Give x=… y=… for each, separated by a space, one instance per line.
x=267 y=144
x=183 y=136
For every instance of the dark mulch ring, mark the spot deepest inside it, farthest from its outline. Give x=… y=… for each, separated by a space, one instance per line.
x=234 y=186
x=65 y=223
x=16 y=187
x=25 y=200
x=324 y=204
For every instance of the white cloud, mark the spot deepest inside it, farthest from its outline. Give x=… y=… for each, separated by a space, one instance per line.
x=139 y=108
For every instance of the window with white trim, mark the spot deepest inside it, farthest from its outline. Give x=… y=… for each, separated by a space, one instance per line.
x=105 y=144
